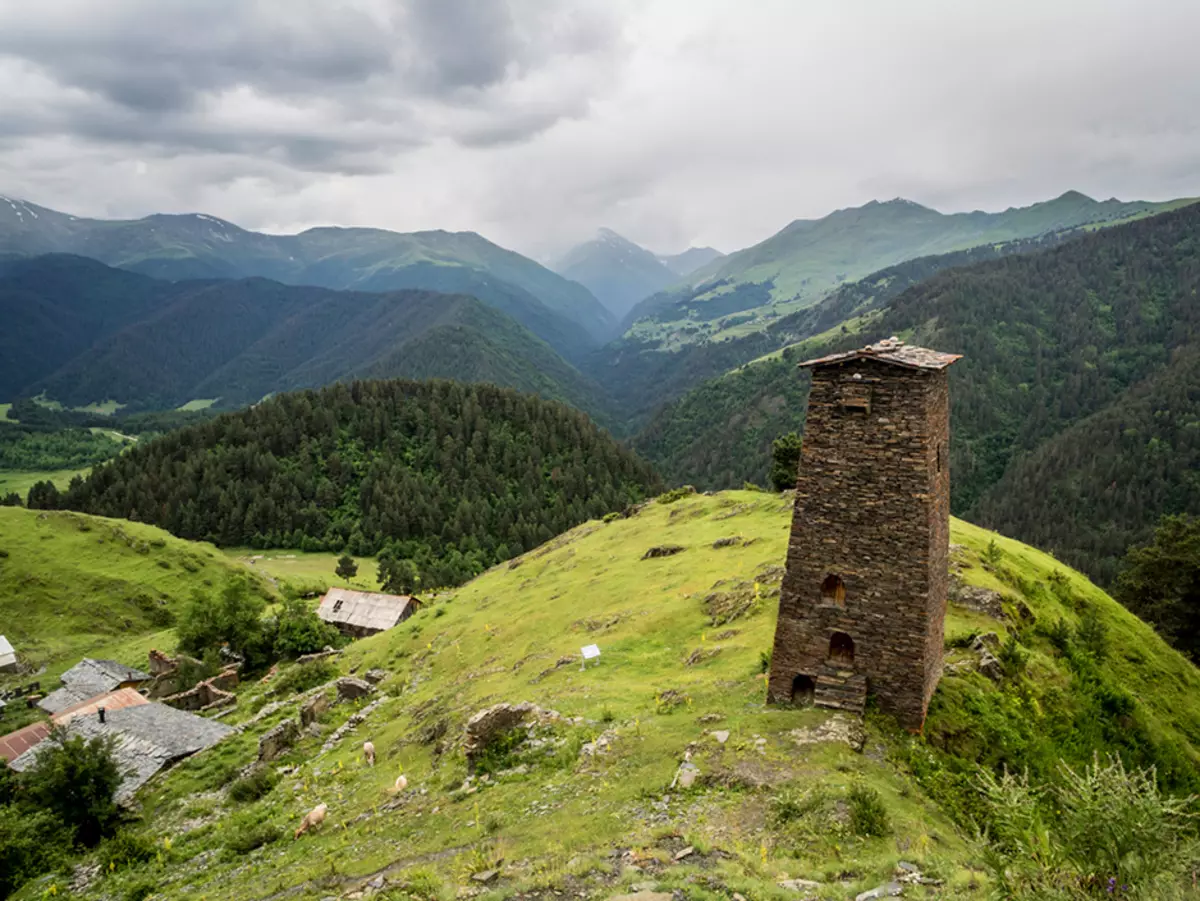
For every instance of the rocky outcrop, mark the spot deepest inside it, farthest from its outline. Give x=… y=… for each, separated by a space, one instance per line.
x=313 y=708
x=351 y=689
x=662 y=550
x=487 y=724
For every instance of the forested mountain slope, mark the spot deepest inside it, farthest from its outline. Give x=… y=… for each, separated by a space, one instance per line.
x=82 y=333
x=453 y=477
x=809 y=258
x=1049 y=339
x=176 y=248
x=572 y=802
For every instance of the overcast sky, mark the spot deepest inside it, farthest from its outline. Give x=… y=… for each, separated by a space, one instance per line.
x=675 y=122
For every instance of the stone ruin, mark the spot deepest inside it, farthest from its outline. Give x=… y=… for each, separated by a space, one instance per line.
x=863 y=600
x=211 y=694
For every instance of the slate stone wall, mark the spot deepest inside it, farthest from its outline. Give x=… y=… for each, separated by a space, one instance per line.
x=872 y=508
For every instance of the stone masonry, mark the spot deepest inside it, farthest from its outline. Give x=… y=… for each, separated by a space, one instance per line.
x=863 y=601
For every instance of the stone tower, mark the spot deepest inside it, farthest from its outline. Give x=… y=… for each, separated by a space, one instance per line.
x=864 y=597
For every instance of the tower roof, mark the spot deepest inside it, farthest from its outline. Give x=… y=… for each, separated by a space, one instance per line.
x=889 y=350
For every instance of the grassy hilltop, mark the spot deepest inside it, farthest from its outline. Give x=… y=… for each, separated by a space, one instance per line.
x=585 y=804
x=73 y=585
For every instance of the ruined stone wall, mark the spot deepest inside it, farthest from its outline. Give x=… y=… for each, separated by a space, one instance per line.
x=872 y=510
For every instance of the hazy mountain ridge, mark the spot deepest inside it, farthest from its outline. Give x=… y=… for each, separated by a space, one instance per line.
x=150 y=343
x=191 y=246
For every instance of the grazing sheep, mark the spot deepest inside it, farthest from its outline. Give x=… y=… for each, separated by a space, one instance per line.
x=401 y=785
x=312 y=819
x=369 y=753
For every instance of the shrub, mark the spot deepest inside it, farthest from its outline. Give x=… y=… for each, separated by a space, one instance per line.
x=785 y=461
x=141 y=890
x=298 y=630
x=992 y=555
x=1012 y=655
x=764 y=661
x=234 y=620
x=32 y=842
x=1092 y=634
x=126 y=849
x=346 y=567
x=675 y=494
x=75 y=781
x=868 y=815
x=247 y=838
x=253 y=786
x=303 y=676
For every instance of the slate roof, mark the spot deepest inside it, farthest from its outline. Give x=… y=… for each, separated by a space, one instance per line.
x=889 y=350
x=8 y=656
x=89 y=678
x=364 y=609
x=146 y=738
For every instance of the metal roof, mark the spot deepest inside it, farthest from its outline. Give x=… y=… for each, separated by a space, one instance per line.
x=145 y=738
x=890 y=350
x=17 y=743
x=5 y=647
x=364 y=609
x=113 y=700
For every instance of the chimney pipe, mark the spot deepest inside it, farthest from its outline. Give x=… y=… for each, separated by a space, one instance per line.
x=101 y=711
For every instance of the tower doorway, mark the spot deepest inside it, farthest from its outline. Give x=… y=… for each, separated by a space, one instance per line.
x=803 y=688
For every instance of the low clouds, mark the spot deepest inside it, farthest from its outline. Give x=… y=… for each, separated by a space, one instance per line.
x=535 y=121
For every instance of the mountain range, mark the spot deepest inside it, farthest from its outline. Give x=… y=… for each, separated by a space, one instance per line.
x=806 y=260
x=196 y=246
x=620 y=273
x=80 y=332
x=1074 y=409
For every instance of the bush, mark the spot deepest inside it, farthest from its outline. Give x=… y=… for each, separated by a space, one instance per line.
x=126 y=849
x=248 y=838
x=253 y=786
x=298 y=630
x=32 y=842
x=75 y=781
x=1099 y=831
x=346 y=567
x=303 y=676
x=232 y=620
x=675 y=494
x=868 y=815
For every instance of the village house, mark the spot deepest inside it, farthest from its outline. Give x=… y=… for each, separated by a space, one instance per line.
x=362 y=613
x=863 y=600
x=146 y=737
x=8 y=657
x=89 y=678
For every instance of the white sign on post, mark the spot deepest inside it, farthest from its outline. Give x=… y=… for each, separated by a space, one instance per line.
x=591 y=652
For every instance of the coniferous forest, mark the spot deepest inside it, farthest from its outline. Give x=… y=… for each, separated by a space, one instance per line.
x=453 y=477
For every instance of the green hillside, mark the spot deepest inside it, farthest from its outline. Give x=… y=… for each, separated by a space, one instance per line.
x=159 y=345
x=196 y=246
x=794 y=268
x=585 y=806
x=1049 y=339
x=73 y=585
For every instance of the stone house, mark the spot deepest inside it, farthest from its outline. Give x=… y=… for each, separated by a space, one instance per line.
x=362 y=613
x=863 y=600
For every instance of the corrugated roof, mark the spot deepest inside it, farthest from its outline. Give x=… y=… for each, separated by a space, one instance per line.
x=364 y=609
x=890 y=350
x=5 y=647
x=87 y=679
x=17 y=743
x=110 y=701
x=145 y=739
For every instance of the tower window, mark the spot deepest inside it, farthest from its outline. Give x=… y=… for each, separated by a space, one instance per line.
x=855 y=398
x=941 y=456
x=841 y=649
x=833 y=590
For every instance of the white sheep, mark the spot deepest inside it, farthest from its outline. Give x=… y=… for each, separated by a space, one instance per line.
x=401 y=785
x=312 y=819
x=369 y=753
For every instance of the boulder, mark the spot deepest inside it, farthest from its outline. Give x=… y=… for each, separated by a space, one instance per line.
x=313 y=708
x=991 y=667
x=662 y=550
x=351 y=689
x=887 y=890
x=278 y=740
x=375 y=676
x=988 y=641
x=490 y=722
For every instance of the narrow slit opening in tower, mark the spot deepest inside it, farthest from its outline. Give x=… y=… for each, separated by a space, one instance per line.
x=833 y=590
x=841 y=649
x=803 y=688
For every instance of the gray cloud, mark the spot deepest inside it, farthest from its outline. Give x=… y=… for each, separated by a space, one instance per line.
x=535 y=121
